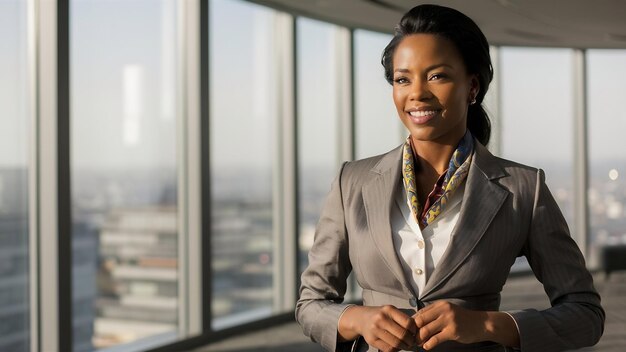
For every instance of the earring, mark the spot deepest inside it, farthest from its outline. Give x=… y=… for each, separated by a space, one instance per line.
x=473 y=97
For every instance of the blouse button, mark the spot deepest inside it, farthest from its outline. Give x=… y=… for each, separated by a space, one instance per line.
x=419 y=271
x=420 y=244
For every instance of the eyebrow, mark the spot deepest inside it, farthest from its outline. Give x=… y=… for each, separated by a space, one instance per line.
x=429 y=68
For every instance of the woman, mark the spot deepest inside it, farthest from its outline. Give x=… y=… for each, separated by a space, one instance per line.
x=432 y=228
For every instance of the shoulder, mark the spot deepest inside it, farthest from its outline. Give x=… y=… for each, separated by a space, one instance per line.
x=358 y=173
x=361 y=170
x=510 y=174
x=516 y=170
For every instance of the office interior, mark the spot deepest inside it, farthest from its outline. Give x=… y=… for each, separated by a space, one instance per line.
x=163 y=163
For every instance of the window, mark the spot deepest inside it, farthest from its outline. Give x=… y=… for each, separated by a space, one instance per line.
x=606 y=74
x=243 y=117
x=537 y=105
x=318 y=118
x=14 y=174
x=124 y=172
x=378 y=127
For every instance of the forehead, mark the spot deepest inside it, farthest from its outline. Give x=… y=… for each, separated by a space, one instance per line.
x=423 y=50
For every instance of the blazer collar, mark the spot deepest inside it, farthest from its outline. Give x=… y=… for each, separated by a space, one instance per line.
x=389 y=162
x=378 y=198
x=481 y=201
x=487 y=163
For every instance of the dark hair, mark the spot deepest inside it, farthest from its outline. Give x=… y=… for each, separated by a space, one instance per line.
x=469 y=41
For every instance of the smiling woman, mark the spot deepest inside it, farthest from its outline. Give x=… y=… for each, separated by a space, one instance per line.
x=420 y=225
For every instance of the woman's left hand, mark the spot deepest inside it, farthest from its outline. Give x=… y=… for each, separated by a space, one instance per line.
x=443 y=321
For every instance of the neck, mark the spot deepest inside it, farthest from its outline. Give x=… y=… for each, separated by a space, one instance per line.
x=433 y=156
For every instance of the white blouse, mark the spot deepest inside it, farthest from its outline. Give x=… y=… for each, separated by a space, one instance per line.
x=420 y=250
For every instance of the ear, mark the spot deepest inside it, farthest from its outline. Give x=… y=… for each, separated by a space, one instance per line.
x=474 y=87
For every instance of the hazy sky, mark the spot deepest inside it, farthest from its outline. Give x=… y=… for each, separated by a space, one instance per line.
x=13 y=88
x=124 y=89
x=317 y=99
x=123 y=83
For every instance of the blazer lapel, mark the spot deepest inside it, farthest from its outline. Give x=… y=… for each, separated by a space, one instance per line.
x=378 y=199
x=481 y=201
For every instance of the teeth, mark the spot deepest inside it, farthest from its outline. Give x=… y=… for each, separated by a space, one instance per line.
x=422 y=113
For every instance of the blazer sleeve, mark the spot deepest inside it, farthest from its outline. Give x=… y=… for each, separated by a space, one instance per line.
x=323 y=283
x=576 y=318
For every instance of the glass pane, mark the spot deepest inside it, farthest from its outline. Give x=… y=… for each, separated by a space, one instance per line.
x=378 y=127
x=318 y=117
x=606 y=72
x=243 y=79
x=124 y=172
x=14 y=150
x=537 y=103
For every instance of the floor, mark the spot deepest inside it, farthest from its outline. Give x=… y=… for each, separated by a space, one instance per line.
x=520 y=292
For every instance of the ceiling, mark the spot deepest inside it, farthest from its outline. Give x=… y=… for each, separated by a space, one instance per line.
x=553 y=23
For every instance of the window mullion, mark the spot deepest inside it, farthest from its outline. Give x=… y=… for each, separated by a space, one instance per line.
x=581 y=182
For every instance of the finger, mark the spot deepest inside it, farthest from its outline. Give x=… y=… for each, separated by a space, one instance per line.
x=400 y=325
x=392 y=341
x=381 y=345
x=403 y=320
x=431 y=329
x=435 y=340
x=383 y=333
x=434 y=306
x=424 y=317
x=431 y=306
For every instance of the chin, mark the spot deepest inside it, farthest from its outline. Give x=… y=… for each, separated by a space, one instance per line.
x=428 y=135
x=424 y=134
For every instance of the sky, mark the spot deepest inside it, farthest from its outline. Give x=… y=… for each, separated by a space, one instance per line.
x=125 y=93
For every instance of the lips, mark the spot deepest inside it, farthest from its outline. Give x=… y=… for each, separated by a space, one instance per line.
x=422 y=116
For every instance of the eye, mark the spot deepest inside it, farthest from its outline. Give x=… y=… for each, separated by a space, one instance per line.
x=401 y=80
x=437 y=76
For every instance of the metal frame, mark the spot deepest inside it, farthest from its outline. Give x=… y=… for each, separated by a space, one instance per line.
x=63 y=181
x=193 y=136
x=345 y=106
x=581 y=155
x=205 y=168
x=285 y=255
x=47 y=173
x=344 y=52
x=495 y=145
x=33 y=170
x=352 y=98
x=189 y=168
x=296 y=122
x=182 y=150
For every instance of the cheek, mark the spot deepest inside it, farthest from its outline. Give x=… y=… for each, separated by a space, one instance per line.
x=398 y=98
x=453 y=98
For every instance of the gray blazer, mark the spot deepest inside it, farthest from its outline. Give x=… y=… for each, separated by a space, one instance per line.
x=507 y=212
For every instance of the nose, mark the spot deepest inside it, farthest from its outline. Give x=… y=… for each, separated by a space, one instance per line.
x=420 y=90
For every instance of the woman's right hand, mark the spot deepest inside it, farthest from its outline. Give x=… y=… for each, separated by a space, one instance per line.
x=385 y=328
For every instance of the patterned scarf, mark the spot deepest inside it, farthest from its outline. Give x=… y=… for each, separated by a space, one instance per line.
x=456 y=174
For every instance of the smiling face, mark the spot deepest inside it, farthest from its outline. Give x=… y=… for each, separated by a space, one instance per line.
x=431 y=88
